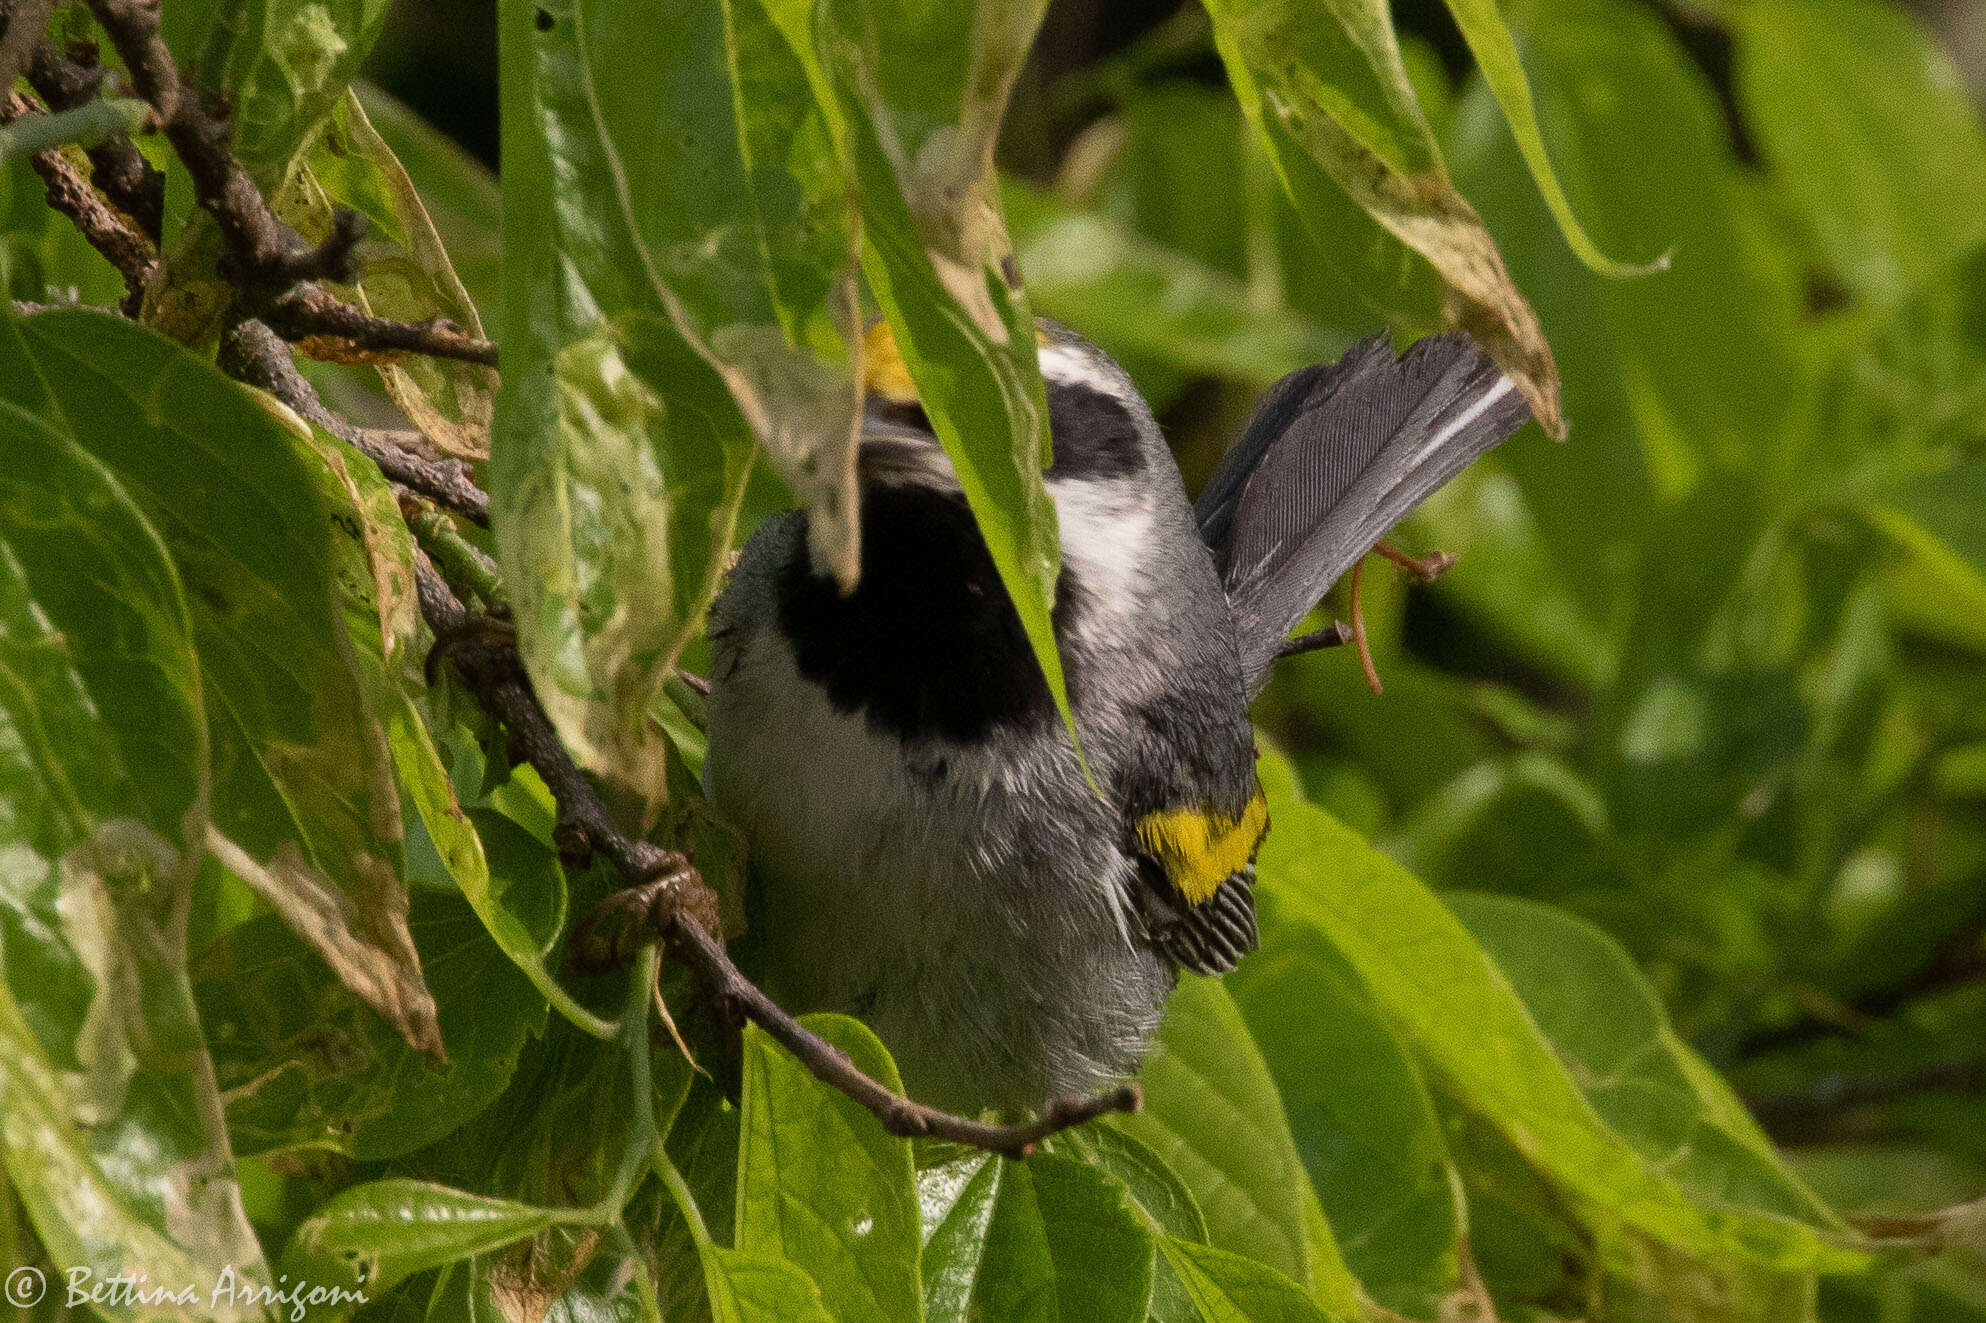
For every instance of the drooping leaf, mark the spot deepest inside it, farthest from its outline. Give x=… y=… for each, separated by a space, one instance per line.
x=650 y=190
x=110 y=1121
x=1503 y=72
x=459 y=193
x=304 y=806
x=1327 y=90
x=913 y=99
x=822 y=1185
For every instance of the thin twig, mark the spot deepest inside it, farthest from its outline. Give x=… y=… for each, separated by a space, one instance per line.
x=267 y=260
x=900 y=1116
x=71 y=194
x=251 y=352
x=1421 y=569
x=1334 y=635
x=310 y=313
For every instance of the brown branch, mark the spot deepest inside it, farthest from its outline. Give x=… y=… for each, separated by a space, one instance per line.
x=668 y=901
x=309 y=312
x=270 y=262
x=69 y=193
x=251 y=352
x=118 y=169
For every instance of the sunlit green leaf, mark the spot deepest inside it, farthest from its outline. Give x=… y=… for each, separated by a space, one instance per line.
x=821 y=1184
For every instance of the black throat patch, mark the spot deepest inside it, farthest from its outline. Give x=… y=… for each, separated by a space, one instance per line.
x=928 y=643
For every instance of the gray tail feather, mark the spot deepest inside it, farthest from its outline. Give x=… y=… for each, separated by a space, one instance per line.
x=1332 y=459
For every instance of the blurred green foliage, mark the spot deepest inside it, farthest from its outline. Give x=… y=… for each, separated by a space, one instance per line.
x=1622 y=960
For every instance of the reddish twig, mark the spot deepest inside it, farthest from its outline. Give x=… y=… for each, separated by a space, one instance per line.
x=1424 y=569
x=1358 y=633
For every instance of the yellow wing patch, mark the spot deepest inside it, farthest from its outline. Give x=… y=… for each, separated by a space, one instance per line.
x=1200 y=850
x=883 y=371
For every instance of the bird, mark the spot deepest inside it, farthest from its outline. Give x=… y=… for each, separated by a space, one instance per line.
x=929 y=853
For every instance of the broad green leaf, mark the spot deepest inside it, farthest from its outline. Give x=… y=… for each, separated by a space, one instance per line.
x=821 y=1184
x=1153 y=304
x=1212 y=1116
x=308 y=1067
x=757 y=1288
x=304 y=806
x=1229 y=1288
x=913 y=99
x=408 y=276
x=370 y=1237
x=1049 y=1240
x=1460 y=1012
x=110 y=1121
x=1328 y=92
x=1496 y=55
x=287 y=65
x=1370 y=1141
x=1155 y=1187
x=668 y=183
x=1869 y=134
x=1603 y=1021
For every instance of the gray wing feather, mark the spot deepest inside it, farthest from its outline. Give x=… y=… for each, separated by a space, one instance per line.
x=1332 y=459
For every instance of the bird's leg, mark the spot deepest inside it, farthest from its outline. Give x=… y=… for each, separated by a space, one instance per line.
x=637 y=916
x=1358 y=633
x=1425 y=569
x=1332 y=635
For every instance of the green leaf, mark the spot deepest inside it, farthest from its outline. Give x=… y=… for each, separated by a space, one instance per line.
x=1604 y=1022
x=1049 y=1240
x=1212 y=1116
x=110 y=1122
x=1935 y=519
x=1869 y=134
x=1370 y=1140
x=1228 y=1288
x=375 y=1235
x=913 y=99
x=459 y=193
x=1503 y=72
x=821 y=1184
x=307 y=1067
x=408 y=275
x=1155 y=1187
x=1149 y=303
x=305 y=808
x=1458 y=1009
x=287 y=65
x=1328 y=92
x=756 y=1288
x=691 y=203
